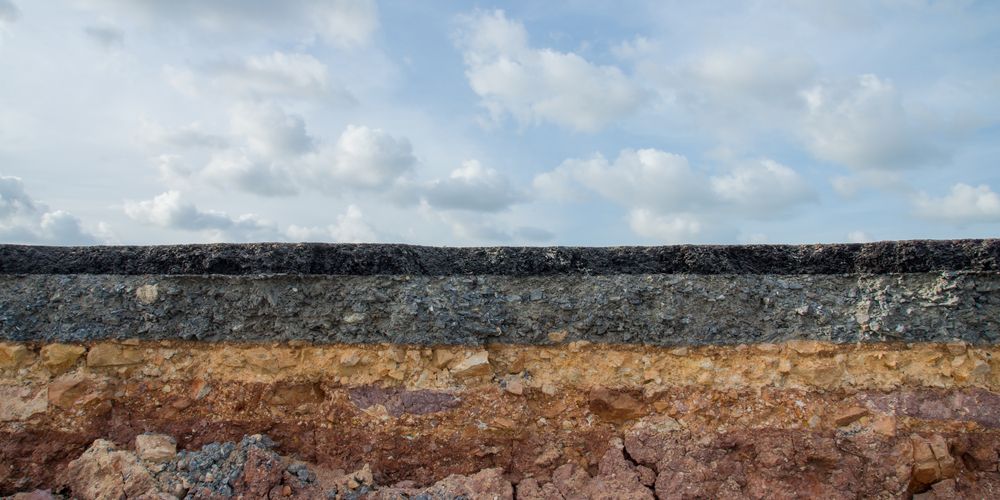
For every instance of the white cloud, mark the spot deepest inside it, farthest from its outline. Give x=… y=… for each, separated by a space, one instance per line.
x=272 y=154
x=344 y=23
x=269 y=131
x=473 y=187
x=647 y=178
x=170 y=211
x=350 y=228
x=765 y=187
x=235 y=169
x=747 y=75
x=363 y=157
x=347 y=22
x=963 y=204
x=732 y=91
x=24 y=220
x=535 y=85
x=675 y=228
x=106 y=36
x=670 y=201
x=866 y=126
x=665 y=182
x=13 y=199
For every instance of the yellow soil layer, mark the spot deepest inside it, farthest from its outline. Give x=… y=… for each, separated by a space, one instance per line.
x=799 y=364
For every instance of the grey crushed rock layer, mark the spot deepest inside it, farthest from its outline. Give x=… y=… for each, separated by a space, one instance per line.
x=390 y=259
x=659 y=309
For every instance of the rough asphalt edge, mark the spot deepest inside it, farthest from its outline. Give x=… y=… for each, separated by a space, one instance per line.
x=394 y=259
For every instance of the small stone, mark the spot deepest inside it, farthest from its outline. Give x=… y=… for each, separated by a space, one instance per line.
x=272 y=361
x=558 y=336
x=548 y=457
x=980 y=368
x=475 y=365
x=515 y=386
x=808 y=346
x=885 y=425
x=60 y=357
x=784 y=365
x=286 y=491
x=12 y=355
x=849 y=416
x=147 y=294
x=442 y=357
x=549 y=389
x=647 y=476
x=615 y=406
x=73 y=390
x=956 y=348
x=350 y=359
x=353 y=318
x=680 y=351
x=21 y=402
x=504 y=423
x=113 y=355
x=155 y=447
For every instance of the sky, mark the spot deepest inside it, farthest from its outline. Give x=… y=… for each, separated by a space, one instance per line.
x=512 y=123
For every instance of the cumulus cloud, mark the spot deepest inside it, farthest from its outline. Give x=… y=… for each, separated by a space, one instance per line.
x=865 y=125
x=670 y=228
x=343 y=23
x=749 y=75
x=535 y=85
x=670 y=201
x=170 y=211
x=764 y=187
x=235 y=169
x=24 y=220
x=349 y=228
x=364 y=157
x=647 y=177
x=665 y=182
x=269 y=131
x=964 y=204
x=106 y=36
x=271 y=153
x=473 y=187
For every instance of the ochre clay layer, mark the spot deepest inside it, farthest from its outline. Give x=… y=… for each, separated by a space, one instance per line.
x=768 y=420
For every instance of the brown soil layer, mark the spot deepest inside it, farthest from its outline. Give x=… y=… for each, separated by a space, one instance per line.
x=794 y=419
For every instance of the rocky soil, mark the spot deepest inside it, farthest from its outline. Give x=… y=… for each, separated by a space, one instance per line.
x=653 y=461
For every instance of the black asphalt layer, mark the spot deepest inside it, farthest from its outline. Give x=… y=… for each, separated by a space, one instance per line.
x=391 y=259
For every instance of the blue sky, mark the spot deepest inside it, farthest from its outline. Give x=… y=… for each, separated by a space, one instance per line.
x=516 y=123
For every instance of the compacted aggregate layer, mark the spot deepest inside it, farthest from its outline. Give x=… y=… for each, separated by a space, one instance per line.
x=392 y=371
x=660 y=309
